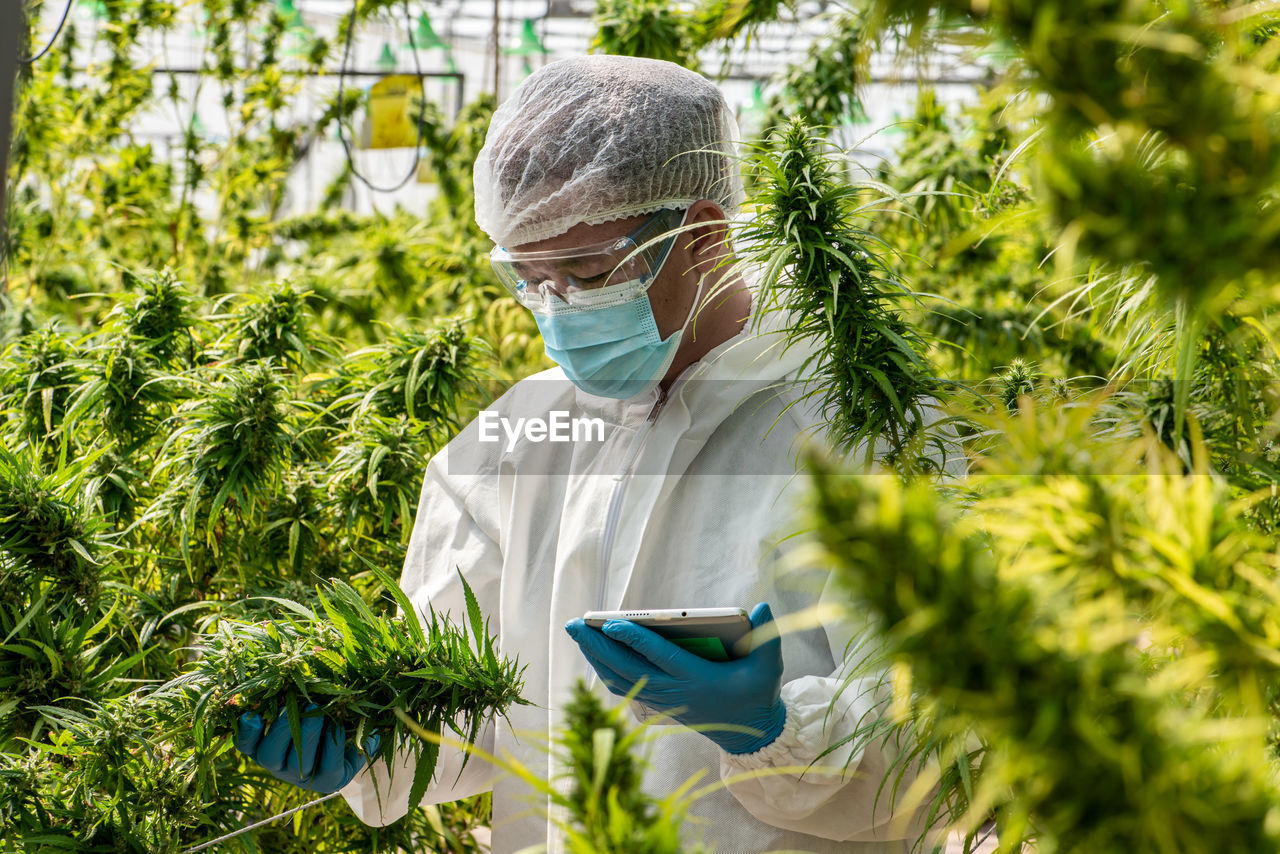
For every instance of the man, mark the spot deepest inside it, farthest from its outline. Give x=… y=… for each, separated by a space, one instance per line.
x=606 y=183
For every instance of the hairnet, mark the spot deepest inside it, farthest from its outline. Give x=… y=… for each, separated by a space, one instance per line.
x=600 y=138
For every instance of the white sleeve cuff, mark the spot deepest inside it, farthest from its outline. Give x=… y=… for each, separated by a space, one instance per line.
x=811 y=727
x=799 y=782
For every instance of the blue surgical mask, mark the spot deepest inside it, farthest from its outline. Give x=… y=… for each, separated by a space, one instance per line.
x=615 y=351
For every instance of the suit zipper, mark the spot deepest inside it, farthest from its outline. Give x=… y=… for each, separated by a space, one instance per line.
x=619 y=492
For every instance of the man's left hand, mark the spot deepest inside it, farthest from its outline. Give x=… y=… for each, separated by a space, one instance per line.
x=736 y=703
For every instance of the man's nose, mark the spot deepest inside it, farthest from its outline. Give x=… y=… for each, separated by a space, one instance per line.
x=551 y=287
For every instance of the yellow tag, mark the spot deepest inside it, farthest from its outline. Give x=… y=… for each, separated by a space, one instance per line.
x=390 y=123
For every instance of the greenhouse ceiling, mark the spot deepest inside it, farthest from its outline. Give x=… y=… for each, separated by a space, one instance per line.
x=532 y=32
x=451 y=43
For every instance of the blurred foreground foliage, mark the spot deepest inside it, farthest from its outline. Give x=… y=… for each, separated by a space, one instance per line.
x=1084 y=631
x=1102 y=619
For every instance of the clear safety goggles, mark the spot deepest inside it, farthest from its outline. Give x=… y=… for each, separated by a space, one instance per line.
x=602 y=274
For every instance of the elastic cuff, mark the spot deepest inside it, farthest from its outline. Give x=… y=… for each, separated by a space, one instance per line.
x=783 y=750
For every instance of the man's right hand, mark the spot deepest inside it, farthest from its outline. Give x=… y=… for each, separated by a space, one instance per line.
x=324 y=762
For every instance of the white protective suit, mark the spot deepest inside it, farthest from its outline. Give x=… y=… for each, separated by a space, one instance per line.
x=683 y=504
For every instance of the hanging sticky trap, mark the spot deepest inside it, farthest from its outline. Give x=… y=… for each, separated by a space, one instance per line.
x=390 y=125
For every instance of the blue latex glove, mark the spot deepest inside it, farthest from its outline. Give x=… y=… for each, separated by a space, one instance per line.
x=741 y=693
x=325 y=763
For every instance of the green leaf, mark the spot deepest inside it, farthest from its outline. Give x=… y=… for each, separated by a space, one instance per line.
x=98 y=626
x=79 y=549
x=426 y=767
x=335 y=617
x=410 y=613
x=36 y=608
x=121 y=667
x=296 y=607
x=602 y=741
x=190 y=606
x=295 y=718
x=46 y=400
x=375 y=460
x=473 y=613
x=34 y=840
x=34 y=652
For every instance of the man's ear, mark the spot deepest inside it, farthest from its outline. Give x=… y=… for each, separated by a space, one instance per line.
x=711 y=233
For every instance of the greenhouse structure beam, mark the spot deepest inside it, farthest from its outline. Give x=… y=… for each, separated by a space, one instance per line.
x=459 y=77
x=11 y=30
x=885 y=79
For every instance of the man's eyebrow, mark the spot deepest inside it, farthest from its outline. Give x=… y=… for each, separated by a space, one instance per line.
x=552 y=267
x=595 y=260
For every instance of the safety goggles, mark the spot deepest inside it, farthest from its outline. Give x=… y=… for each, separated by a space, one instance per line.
x=602 y=274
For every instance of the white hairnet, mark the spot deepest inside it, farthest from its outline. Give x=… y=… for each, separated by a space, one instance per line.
x=600 y=138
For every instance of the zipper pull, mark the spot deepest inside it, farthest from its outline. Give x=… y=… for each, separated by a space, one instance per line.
x=657 y=405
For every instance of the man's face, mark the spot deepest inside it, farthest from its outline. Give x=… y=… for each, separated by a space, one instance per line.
x=672 y=293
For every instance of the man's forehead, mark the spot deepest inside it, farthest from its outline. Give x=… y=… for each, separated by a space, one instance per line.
x=584 y=235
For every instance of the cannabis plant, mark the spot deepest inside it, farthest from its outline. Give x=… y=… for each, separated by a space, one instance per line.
x=1154 y=150
x=376 y=475
x=38 y=373
x=157 y=312
x=227 y=444
x=202 y=430
x=274 y=324
x=116 y=786
x=47 y=529
x=419 y=375
x=647 y=28
x=823 y=88
x=124 y=390
x=822 y=266
x=354 y=667
x=597 y=802
x=1017 y=381
x=607 y=810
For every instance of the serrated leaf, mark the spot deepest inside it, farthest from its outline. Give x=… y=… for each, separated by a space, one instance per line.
x=46 y=405
x=474 y=618
x=36 y=608
x=295 y=718
x=296 y=607
x=426 y=767
x=406 y=606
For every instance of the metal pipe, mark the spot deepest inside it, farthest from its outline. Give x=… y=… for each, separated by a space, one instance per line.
x=323 y=72
x=11 y=31
x=458 y=77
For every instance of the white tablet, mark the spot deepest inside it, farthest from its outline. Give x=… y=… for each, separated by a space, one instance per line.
x=716 y=634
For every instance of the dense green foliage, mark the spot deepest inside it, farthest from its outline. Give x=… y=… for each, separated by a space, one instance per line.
x=1184 y=123
x=823 y=90
x=1097 y=602
x=148 y=771
x=219 y=472
x=658 y=30
x=197 y=413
